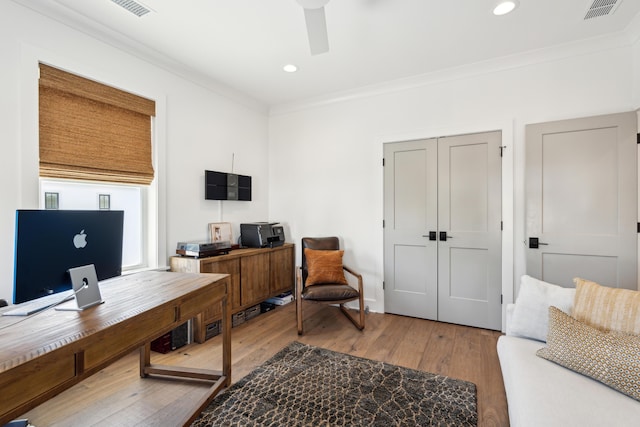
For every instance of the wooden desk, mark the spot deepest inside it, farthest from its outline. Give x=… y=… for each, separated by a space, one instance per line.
x=47 y=353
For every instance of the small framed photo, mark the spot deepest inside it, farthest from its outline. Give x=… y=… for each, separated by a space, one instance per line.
x=220 y=231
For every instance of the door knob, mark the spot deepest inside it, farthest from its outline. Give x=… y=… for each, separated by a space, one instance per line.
x=534 y=243
x=431 y=235
x=444 y=237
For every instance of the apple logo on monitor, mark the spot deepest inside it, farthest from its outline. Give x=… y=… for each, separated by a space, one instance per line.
x=80 y=240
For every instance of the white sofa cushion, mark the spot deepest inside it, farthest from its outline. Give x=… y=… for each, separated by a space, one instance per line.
x=530 y=318
x=541 y=393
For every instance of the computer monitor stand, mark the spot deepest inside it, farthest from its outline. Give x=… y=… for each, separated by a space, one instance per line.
x=86 y=289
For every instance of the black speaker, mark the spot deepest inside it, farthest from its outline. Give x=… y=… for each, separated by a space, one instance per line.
x=180 y=336
x=232 y=186
x=244 y=187
x=215 y=185
x=226 y=186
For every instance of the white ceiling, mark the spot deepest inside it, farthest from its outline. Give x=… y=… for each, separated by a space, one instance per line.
x=245 y=43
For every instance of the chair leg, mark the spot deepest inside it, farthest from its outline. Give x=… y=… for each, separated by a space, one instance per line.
x=358 y=324
x=361 y=301
x=299 y=314
x=299 y=299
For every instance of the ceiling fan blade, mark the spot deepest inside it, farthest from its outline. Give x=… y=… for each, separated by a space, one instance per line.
x=317 y=30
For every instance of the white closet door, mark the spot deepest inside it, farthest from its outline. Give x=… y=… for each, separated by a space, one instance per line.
x=443 y=229
x=469 y=221
x=581 y=206
x=410 y=188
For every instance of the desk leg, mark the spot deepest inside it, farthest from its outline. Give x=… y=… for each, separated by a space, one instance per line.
x=226 y=339
x=199 y=329
x=145 y=359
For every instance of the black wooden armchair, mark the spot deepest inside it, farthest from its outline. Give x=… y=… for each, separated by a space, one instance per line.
x=321 y=279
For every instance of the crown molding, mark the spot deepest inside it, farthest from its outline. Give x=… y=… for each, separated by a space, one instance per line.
x=54 y=10
x=65 y=16
x=633 y=29
x=538 y=56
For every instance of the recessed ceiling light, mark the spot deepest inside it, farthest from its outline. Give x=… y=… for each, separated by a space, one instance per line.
x=290 y=68
x=504 y=7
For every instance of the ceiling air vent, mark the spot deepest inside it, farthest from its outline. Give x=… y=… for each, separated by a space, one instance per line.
x=601 y=8
x=133 y=7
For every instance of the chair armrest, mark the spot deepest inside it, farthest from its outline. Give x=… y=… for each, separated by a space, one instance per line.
x=354 y=274
x=351 y=271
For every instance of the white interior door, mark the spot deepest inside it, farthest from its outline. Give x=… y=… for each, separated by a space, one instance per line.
x=581 y=186
x=411 y=211
x=469 y=222
x=443 y=229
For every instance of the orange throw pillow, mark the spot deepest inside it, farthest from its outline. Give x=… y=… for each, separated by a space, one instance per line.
x=324 y=267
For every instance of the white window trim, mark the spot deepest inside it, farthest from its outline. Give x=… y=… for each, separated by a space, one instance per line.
x=28 y=185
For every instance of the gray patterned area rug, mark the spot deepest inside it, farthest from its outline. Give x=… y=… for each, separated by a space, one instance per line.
x=303 y=385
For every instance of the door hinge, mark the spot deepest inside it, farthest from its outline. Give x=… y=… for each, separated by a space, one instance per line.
x=502 y=148
x=383 y=285
x=383 y=161
x=383 y=223
x=500 y=299
x=501 y=226
x=638 y=136
x=639 y=227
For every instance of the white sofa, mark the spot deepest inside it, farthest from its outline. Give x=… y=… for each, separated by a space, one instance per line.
x=543 y=393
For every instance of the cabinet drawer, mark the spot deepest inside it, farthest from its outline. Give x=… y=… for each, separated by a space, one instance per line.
x=281 y=270
x=226 y=266
x=254 y=282
x=31 y=379
x=201 y=302
x=115 y=341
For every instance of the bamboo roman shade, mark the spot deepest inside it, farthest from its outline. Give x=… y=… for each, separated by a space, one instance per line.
x=90 y=131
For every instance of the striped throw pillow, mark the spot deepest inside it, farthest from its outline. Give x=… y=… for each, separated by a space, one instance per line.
x=605 y=308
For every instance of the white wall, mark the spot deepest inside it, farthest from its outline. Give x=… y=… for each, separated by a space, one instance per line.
x=195 y=129
x=333 y=148
x=636 y=67
x=324 y=174
x=634 y=35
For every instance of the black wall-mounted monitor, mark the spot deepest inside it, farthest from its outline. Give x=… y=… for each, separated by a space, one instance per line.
x=49 y=242
x=226 y=186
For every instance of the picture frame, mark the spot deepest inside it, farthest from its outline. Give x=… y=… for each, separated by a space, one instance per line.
x=220 y=231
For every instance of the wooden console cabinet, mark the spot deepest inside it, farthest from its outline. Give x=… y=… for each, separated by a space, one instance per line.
x=256 y=274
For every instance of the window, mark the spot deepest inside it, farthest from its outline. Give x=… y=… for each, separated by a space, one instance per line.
x=104 y=202
x=90 y=131
x=51 y=200
x=96 y=152
x=88 y=196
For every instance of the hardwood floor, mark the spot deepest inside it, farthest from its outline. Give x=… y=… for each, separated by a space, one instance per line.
x=117 y=396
